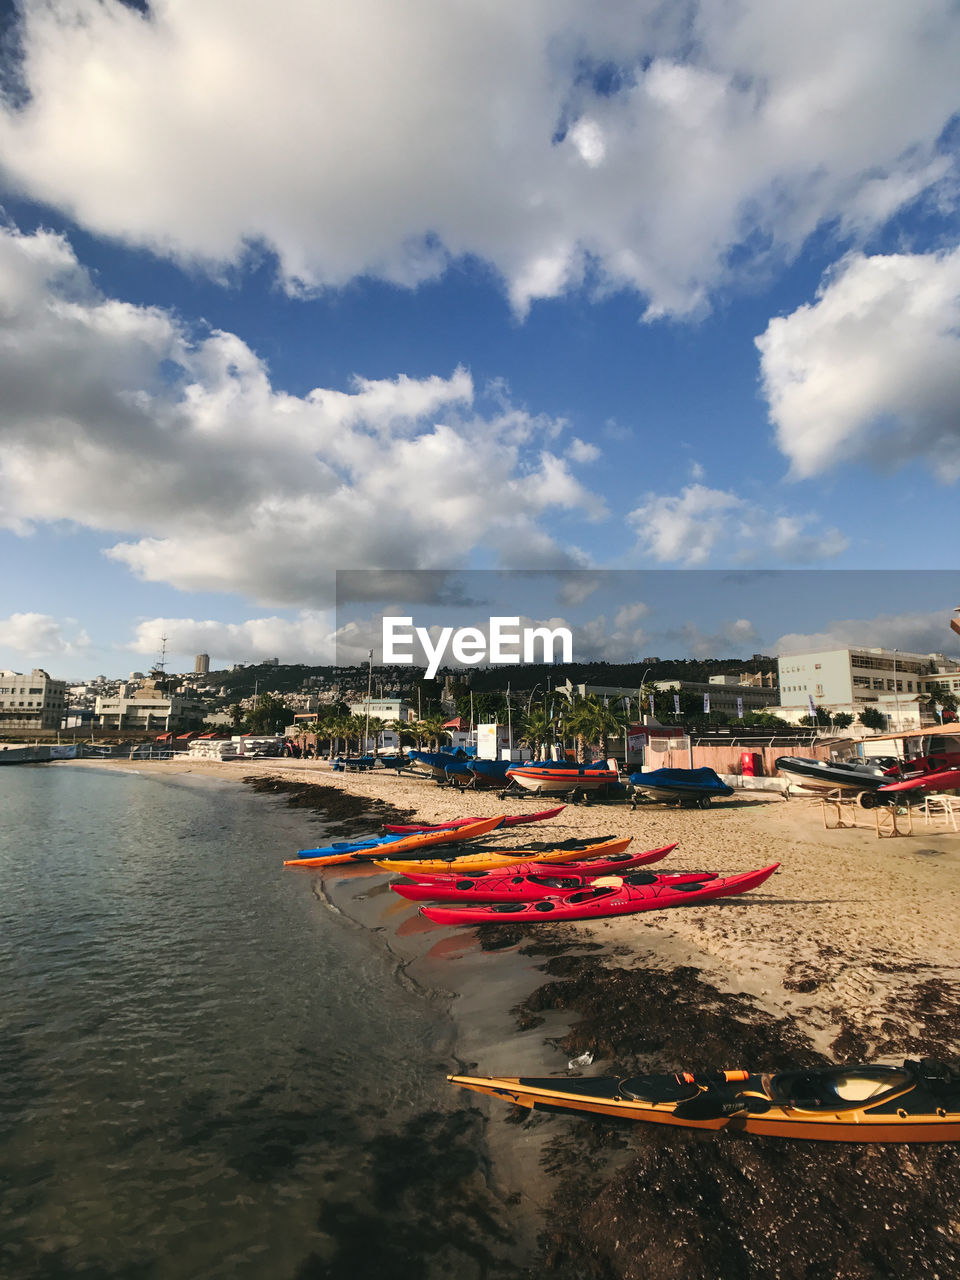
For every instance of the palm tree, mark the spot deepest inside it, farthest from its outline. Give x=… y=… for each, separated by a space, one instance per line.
x=590 y=720
x=536 y=729
x=402 y=728
x=433 y=730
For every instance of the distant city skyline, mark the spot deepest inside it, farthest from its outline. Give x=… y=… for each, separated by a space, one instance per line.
x=466 y=287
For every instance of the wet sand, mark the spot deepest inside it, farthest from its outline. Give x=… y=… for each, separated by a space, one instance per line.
x=849 y=952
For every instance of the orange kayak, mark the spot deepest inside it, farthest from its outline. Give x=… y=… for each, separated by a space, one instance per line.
x=421 y=840
x=484 y=861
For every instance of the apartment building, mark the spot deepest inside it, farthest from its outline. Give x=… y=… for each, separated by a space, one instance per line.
x=31 y=702
x=897 y=683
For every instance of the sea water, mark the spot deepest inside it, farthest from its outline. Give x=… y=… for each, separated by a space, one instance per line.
x=205 y=1071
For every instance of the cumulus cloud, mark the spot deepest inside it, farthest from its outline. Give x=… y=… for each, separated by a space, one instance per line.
x=925 y=632
x=870 y=372
x=308 y=638
x=734 y=637
x=637 y=145
x=118 y=418
x=39 y=633
x=690 y=527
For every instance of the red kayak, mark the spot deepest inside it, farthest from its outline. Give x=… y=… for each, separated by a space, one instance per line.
x=596 y=902
x=516 y=820
x=614 y=865
x=533 y=887
x=942 y=780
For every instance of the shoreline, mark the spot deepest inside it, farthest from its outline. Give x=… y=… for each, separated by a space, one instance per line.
x=832 y=939
x=848 y=953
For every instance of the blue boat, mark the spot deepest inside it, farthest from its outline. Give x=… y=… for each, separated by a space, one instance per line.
x=490 y=773
x=695 y=786
x=436 y=762
x=350 y=846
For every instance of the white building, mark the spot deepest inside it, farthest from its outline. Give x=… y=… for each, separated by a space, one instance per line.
x=896 y=683
x=383 y=709
x=149 y=710
x=33 y=701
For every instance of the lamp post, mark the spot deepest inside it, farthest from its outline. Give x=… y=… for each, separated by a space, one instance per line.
x=896 y=691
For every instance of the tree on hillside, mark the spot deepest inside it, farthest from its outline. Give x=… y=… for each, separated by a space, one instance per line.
x=270 y=715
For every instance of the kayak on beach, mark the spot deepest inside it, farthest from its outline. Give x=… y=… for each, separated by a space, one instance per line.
x=569 y=851
x=917 y=1102
x=599 y=901
x=536 y=885
x=366 y=852
x=615 y=864
x=512 y=820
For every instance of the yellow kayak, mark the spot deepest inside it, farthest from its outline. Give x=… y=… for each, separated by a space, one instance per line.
x=484 y=861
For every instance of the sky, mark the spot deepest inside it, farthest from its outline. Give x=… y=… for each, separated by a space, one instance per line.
x=306 y=287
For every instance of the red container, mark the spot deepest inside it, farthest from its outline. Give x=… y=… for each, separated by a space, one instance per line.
x=751 y=764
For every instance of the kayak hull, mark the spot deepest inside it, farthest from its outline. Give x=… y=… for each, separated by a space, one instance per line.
x=533 y=886
x=404 y=844
x=488 y=861
x=614 y=864
x=512 y=820
x=599 y=903
x=907 y=1110
x=942 y=780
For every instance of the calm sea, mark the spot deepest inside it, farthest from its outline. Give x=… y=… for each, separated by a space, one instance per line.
x=204 y=1070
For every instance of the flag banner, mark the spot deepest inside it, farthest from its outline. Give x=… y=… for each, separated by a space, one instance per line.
x=813 y=709
x=676 y=703
x=651 y=703
x=739 y=708
x=706 y=704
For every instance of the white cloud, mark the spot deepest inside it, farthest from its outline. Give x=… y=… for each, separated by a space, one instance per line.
x=308 y=638
x=870 y=372
x=926 y=632
x=118 y=419
x=582 y=451
x=40 y=634
x=383 y=139
x=700 y=523
x=734 y=637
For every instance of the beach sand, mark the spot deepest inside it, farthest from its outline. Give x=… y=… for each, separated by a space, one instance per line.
x=849 y=953
x=845 y=938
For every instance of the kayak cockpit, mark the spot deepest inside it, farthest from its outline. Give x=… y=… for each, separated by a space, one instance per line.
x=851 y=1088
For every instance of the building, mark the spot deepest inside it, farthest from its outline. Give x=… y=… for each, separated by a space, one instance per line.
x=201 y=664
x=898 y=684
x=31 y=702
x=149 y=710
x=730 y=695
x=756 y=690
x=392 y=708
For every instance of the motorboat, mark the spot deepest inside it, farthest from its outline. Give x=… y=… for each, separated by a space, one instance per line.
x=692 y=786
x=547 y=779
x=832 y=775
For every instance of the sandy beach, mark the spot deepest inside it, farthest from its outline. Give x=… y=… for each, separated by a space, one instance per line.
x=848 y=954
x=845 y=939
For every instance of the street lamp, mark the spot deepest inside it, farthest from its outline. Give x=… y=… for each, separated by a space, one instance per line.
x=530 y=699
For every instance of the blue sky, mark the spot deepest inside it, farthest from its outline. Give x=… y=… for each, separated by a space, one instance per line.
x=661 y=287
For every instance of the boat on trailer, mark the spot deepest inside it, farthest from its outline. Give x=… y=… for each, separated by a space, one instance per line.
x=831 y=775
x=686 y=786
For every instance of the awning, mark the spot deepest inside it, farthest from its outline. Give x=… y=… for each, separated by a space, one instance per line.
x=951 y=730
